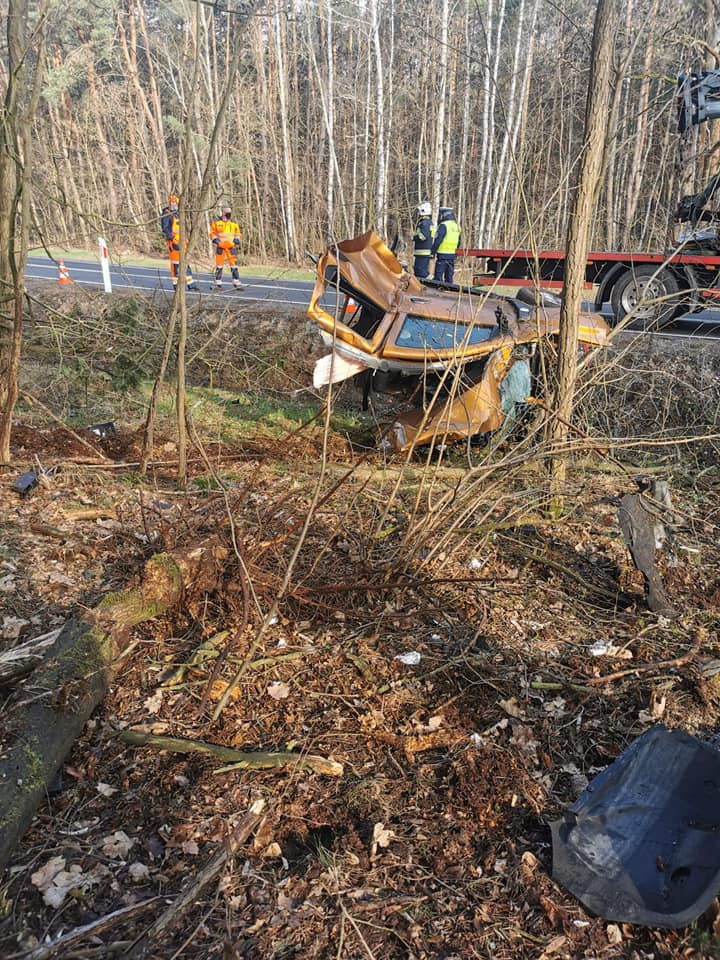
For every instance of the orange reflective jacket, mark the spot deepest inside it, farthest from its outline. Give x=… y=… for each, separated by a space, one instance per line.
x=225 y=232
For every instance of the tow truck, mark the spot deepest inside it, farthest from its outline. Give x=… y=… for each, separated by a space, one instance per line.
x=654 y=288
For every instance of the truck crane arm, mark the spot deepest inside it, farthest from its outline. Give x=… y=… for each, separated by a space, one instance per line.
x=698 y=102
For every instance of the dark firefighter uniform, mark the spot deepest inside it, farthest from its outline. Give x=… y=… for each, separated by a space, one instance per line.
x=226 y=236
x=445 y=245
x=171 y=231
x=422 y=241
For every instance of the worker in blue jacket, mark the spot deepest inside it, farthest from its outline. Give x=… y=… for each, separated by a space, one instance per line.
x=445 y=245
x=422 y=240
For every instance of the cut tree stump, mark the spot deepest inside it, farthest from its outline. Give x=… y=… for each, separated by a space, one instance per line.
x=48 y=711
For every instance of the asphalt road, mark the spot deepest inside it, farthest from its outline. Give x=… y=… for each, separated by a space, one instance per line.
x=155 y=280
x=295 y=292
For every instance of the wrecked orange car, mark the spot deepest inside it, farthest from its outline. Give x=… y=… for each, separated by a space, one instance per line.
x=464 y=359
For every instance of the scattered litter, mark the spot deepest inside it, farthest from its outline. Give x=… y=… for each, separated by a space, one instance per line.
x=603 y=648
x=600 y=648
x=475 y=564
x=25 y=483
x=278 y=691
x=103 y=430
x=106 y=790
x=642 y=842
x=411 y=659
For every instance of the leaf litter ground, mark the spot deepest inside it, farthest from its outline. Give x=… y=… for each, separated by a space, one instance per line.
x=434 y=842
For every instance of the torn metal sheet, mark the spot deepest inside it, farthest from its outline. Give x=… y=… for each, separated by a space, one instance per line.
x=642 y=842
x=448 y=352
x=332 y=368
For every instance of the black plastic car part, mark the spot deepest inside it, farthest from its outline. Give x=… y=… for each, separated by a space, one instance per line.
x=642 y=842
x=25 y=483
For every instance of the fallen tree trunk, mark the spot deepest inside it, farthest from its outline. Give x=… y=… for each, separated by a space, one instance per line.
x=48 y=712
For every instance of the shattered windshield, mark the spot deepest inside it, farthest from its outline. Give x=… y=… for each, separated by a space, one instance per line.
x=419 y=333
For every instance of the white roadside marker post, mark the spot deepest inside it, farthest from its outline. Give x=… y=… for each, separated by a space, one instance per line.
x=105 y=265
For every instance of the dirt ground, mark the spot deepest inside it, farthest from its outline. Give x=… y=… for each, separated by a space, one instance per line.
x=434 y=841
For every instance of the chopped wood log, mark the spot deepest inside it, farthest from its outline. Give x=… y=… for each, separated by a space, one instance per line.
x=238 y=759
x=49 y=710
x=90 y=513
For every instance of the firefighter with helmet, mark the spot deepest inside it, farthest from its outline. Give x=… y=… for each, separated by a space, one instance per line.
x=226 y=236
x=445 y=245
x=422 y=240
x=170 y=223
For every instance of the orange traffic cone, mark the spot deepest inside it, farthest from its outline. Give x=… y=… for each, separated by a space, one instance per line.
x=351 y=307
x=64 y=277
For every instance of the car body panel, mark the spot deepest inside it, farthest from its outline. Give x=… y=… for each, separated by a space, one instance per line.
x=385 y=319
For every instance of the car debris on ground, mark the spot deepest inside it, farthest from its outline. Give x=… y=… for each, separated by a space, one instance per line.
x=642 y=842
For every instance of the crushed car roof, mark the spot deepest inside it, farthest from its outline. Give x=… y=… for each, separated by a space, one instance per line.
x=378 y=317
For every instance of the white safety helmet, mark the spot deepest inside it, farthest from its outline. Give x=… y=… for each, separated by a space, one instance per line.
x=423 y=209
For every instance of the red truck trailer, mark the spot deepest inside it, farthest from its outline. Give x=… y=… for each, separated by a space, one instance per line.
x=655 y=288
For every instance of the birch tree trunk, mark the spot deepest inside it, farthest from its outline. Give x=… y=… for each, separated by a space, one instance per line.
x=632 y=189
x=578 y=238
x=380 y=212
x=462 y=202
x=287 y=159
x=438 y=161
x=512 y=115
x=330 y=121
x=495 y=84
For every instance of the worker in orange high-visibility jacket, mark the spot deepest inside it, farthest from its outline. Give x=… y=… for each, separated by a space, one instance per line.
x=171 y=231
x=226 y=236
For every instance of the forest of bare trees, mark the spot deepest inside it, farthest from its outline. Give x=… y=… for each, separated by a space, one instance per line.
x=345 y=114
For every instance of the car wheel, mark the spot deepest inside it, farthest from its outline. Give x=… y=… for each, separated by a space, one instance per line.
x=639 y=291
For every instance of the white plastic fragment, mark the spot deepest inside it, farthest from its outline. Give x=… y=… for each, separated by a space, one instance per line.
x=411 y=659
x=599 y=648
